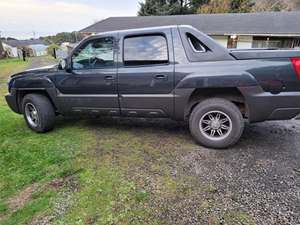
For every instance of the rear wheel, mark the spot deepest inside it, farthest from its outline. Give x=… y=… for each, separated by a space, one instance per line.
x=38 y=113
x=216 y=123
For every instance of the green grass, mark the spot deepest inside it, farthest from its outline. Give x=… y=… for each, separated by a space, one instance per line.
x=106 y=195
x=107 y=198
x=28 y=158
x=238 y=218
x=38 y=202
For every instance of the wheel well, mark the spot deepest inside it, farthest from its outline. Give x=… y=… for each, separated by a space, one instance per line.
x=21 y=94
x=231 y=94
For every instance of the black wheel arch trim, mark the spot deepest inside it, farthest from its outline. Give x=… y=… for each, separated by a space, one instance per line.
x=19 y=93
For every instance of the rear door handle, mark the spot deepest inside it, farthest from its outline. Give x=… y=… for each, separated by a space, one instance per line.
x=109 y=77
x=161 y=77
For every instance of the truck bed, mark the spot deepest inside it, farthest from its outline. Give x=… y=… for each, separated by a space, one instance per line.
x=263 y=53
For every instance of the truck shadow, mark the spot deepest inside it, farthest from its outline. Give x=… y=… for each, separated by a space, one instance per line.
x=267 y=137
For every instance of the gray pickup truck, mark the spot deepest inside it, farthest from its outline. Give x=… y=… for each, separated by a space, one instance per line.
x=174 y=71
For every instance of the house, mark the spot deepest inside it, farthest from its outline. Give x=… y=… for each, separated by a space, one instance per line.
x=33 y=47
x=1 y=50
x=10 y=51
x=232 y=30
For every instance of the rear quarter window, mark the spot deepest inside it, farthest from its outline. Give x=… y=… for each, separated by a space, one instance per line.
x=195 y=43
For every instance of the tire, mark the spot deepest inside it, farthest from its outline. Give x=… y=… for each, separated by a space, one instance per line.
x=216 y=114
x=38 y=113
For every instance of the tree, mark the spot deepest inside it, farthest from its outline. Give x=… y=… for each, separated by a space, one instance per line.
x=226 y=6
x=215 y=6
x=295 y=4
x=164 y=7
x=196 y=4
x=63 y=37
x=270 y=5
x=241 y=6
x=50 y=49
x=174 y=7
x=150 y=8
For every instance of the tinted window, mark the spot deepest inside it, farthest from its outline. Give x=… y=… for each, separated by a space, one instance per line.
x=94 y=54
x=195 y=43
x=145 y=50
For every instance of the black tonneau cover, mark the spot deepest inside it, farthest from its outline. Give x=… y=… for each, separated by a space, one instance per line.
x=264 y=53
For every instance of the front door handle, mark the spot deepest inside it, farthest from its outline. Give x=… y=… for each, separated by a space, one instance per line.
x=161 y=77
x=109 y=77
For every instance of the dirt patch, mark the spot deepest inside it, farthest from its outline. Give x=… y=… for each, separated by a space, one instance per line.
x=19 y=201
x=66 y=187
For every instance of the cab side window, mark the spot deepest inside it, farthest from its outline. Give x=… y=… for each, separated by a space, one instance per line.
x=94 y=54
x=145 y=50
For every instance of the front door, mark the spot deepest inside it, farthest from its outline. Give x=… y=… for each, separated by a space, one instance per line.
x=91 y=86
x=146 y=75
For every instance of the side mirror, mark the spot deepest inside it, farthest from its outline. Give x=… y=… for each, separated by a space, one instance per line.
x=62 y=65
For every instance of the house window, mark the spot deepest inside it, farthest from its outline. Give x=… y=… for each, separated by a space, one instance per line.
x=145 y=50
x=232 y=41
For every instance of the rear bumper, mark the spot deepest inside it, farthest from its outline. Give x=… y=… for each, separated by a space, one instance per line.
x=12 y=101
x=267 y=106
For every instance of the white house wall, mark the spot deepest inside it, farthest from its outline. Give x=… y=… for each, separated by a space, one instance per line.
x=13 y=51
x=244 y=42
x=223 y=40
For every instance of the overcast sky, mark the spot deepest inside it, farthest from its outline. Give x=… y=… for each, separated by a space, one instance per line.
x=26 y=18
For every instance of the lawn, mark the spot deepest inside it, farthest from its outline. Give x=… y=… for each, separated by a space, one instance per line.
x=28 y=160
x=43 y=175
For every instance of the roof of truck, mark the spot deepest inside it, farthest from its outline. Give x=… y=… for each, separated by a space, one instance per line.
x=141 y=29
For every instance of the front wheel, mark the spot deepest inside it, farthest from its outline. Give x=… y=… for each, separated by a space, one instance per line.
x=216 y=123
x=38 y=113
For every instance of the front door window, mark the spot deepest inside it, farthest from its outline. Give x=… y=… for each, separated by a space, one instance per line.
x=94 y=54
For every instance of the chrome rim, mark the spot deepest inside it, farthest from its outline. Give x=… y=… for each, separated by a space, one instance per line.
x=31 y=115
x=215 y=125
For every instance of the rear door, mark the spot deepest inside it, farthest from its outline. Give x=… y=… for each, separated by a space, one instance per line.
x=146 y=74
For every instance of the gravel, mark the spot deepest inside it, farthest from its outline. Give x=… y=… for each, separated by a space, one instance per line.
x=255 y=182
x=260 y=175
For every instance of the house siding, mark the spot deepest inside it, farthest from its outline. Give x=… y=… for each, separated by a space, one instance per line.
x=244 y=42
x=1 y=50
x=222 y=40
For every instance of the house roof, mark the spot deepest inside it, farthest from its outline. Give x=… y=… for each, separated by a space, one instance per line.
x=272 y=23
x=22 y=43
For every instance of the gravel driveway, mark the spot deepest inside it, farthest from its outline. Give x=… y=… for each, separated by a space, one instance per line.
x=255 y=182
x=261 y=175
